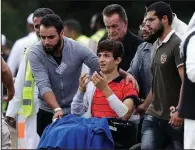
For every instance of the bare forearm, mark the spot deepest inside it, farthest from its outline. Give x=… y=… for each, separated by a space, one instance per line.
x=7 y=77
x=148 y=99
x=180 y=96
x=50 y=99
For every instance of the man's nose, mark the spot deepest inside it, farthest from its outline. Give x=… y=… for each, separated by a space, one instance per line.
x=46 y=41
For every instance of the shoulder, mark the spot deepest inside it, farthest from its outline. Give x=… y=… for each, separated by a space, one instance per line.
x=36 y=48
x=135 y=39
x=144 y=46
x=104 y=37
x=129 y=85
x=175 y=40
x=73 y=45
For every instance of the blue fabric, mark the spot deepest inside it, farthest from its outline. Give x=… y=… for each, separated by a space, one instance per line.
x=73 y=132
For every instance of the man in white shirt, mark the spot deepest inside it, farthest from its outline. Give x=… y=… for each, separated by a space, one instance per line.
x=19 y=46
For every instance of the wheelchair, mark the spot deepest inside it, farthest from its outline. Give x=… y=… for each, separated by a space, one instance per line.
x=124 y=134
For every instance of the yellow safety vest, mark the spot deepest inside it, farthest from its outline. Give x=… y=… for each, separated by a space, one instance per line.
x=28 y=90
x=83 y=39
x=98 y=35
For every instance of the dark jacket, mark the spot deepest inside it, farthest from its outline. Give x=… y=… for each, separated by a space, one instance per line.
x=130 y=43
x=187 y=108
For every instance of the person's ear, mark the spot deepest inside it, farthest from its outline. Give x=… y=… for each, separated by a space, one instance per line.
x=165 y=20
x=118 y=60
x=62 y=34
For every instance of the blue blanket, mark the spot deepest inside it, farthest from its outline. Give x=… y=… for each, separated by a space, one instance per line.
x=72 y=132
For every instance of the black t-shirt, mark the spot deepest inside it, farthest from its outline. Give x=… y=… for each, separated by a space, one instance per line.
x=58 y=59
x=130 y=44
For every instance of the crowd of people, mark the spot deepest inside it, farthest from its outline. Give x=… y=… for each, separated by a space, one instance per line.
x=146 y=79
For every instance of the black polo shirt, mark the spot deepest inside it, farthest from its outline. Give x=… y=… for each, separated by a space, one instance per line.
x=130 y=44
x=166 y=81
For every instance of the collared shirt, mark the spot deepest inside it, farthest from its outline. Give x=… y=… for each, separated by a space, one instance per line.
x=17 y=51
x=62 y=79
x=166 y=82
x=140 y=68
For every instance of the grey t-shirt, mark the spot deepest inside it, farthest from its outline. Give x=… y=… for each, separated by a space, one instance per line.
x=62 y=79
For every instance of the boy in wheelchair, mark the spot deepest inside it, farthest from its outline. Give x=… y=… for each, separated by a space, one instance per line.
x=106 y=94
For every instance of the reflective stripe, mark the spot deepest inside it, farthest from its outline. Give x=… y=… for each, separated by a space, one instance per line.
x=26 y=102
x=28 y=83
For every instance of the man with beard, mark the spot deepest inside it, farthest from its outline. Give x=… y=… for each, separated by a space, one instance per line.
x=56 y=63
x=159 y=128
x=30 y=138
x=116 y=22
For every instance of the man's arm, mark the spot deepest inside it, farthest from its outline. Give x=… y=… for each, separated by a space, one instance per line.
x=42 y=80
x=15 y=103
x=89 y=58
x=144 y=106
x=7 y=80
x=79 y=104
x=181 y=74
x=190 y=61
x=175 y=120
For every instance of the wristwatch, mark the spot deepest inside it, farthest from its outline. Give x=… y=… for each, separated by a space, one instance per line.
x=56 y=110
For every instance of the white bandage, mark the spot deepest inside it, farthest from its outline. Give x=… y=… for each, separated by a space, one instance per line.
x=120 y=108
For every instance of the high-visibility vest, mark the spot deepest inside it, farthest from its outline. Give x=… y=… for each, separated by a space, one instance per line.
x=98 y=35
x=28 y=90
x=83 y=39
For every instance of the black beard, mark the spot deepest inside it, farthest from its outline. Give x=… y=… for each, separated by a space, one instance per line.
x=153 y=37
x=51 y=51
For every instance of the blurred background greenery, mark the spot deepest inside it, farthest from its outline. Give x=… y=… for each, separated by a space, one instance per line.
x=15 y=12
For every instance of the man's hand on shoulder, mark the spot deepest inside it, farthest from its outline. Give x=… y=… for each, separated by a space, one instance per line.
x=130 y=78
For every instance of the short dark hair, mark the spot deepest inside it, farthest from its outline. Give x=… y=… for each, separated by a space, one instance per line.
x=115 y=8
x=41 y=12
x=116 y=47
x=73 y=24
x=161 y=9
x=52 y=20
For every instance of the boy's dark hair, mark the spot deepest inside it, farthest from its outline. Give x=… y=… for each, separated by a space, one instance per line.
x=161 y=9
x=115 y=8
x=116 y=47
x=41 y=12
x=73 y=24
x=52 y=20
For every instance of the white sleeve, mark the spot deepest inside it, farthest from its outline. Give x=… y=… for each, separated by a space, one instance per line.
x=118 y=106
x=15 y=103
x=190 y=61
x=14 y=59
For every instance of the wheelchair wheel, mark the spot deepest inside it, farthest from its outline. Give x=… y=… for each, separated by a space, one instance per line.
x=136 y=146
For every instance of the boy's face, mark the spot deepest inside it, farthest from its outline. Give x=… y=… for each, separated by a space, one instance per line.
x=107 y=62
